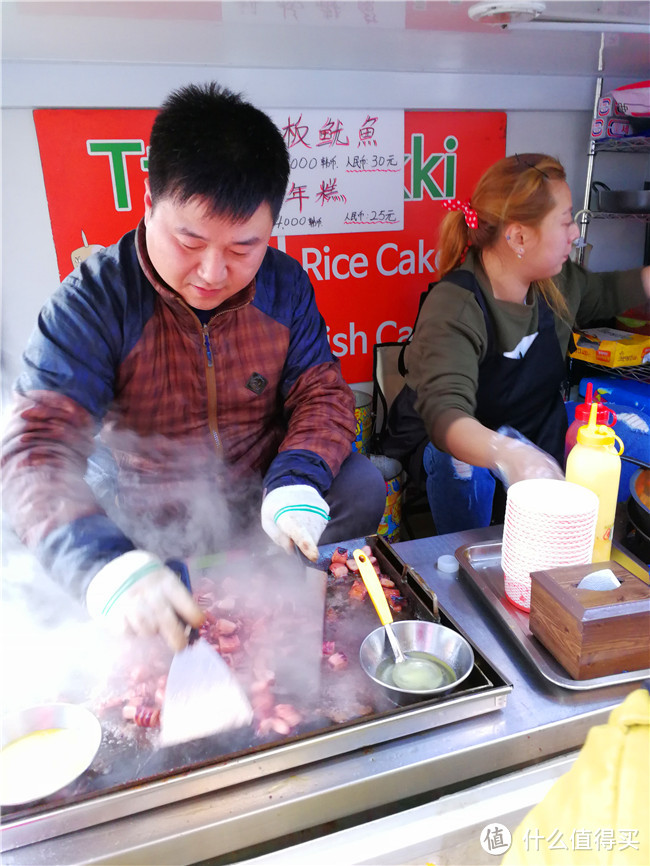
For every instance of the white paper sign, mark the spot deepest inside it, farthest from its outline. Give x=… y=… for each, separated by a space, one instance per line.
x=347 y=171
x=283 y=14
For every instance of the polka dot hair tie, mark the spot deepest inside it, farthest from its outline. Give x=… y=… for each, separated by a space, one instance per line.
x=471 y=217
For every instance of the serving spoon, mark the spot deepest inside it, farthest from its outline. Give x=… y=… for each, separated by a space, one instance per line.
x=408 y=673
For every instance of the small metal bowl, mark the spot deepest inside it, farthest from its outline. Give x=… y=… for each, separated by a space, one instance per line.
x=416 y=635
x=83 y=746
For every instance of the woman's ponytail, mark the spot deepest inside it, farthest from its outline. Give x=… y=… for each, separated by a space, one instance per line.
x=454 y=240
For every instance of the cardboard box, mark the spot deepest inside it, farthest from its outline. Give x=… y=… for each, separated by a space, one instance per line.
x=610 y=127
x=609 y=107
x=611 y=348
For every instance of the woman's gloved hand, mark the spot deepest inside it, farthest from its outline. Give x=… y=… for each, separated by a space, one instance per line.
x=295 y=514
x=515 y=458
x=138 y=594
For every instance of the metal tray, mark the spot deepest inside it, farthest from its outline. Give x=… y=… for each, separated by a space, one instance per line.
x=156 y=778
x=481 y=564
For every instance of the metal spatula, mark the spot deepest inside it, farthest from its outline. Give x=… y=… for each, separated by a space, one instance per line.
x=202 y=697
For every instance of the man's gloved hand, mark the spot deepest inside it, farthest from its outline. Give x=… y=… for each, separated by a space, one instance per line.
x=138 y=593
x=295 y=514
x=518 y=459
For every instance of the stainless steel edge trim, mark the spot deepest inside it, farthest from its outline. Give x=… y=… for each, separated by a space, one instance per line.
x=193 y=830
x=444 y=830
x=196 y=783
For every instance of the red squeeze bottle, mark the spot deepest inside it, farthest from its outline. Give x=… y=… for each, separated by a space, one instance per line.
x=604 y=416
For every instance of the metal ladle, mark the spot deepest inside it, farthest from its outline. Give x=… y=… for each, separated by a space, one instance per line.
x=407 y=673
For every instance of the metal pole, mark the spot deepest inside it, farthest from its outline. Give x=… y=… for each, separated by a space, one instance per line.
x=584 y=214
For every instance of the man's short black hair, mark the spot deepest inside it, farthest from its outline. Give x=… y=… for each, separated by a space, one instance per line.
x=207 y=141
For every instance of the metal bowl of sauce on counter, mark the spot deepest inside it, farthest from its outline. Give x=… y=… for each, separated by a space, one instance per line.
x=446 y=660
x=43 y=749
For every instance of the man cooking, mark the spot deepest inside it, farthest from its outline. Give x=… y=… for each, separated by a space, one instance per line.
x=184 y=367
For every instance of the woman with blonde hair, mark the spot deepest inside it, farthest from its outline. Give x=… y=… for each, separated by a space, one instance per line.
x=489 y=346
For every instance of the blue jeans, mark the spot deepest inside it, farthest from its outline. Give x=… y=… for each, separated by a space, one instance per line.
x=460 y=496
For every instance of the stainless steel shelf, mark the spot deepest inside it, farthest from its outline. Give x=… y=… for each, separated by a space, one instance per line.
x=639 y=374
x=604 y=215
x=634 y=144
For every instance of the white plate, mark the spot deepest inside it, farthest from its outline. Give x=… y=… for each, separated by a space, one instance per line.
x=552 y=497
x=43 y=749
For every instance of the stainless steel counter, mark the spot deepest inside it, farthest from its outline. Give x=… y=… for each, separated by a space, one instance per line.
x=538 y=722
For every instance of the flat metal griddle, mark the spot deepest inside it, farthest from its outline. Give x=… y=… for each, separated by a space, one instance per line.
x=132 y=774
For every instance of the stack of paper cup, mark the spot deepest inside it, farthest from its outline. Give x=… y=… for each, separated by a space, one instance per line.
x=548 y=524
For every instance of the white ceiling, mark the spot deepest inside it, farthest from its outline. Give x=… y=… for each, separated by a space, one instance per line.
x=382 y=35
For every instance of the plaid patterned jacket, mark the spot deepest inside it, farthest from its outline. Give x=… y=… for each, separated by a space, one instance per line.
x=116 y=353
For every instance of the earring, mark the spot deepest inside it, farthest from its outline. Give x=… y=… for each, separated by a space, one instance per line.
x=507 y=237
x=520 y=254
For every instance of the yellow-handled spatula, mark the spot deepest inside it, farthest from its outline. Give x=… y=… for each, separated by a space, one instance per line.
x=378 y=597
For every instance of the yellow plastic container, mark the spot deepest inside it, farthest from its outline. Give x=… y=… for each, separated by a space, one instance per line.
x=392 y=471
x=594 y=463
x=363 y=416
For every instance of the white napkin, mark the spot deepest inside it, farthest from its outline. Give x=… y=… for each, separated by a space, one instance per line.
x=601 y=580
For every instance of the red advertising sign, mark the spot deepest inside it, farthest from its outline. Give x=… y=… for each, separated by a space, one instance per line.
x=367 y=284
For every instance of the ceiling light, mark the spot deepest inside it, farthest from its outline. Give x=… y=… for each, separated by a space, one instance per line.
x=507 y=12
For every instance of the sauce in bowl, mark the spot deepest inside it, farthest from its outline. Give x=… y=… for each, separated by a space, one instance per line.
x=39 y=763
x=421 y=672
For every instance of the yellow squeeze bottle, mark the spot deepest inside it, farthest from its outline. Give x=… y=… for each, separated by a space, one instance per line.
x=595 y=463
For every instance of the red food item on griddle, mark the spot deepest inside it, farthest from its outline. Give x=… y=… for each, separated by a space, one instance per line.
x=338 y=661
x=229 y=644
x=358 y=591
x=144 y=716
x=289 y=713
x=226 y=626
x=394 y=599
x=340 y=555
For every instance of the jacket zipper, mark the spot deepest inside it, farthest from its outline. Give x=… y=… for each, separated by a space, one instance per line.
x=212 y=388
x=209 y=373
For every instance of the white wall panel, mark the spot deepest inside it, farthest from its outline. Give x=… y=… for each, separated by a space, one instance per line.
x=29 y=272
x=101 y=85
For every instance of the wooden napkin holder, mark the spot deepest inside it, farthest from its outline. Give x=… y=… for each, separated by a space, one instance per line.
x=591 y=633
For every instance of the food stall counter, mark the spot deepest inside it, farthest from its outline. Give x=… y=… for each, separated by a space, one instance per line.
x=535 y=722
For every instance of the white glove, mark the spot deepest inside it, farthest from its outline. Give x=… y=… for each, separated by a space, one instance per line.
x=518 y=459
x=295 y=514
x=138 y=594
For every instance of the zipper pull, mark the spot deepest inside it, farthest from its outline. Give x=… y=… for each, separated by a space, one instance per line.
x=206 y=342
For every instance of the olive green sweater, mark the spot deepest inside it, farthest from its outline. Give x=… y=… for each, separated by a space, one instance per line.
x=450 y=339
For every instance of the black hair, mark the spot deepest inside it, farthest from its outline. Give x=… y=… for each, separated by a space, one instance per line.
x=206 y=141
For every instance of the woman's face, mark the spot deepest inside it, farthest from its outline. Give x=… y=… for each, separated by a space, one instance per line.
x=552 y=241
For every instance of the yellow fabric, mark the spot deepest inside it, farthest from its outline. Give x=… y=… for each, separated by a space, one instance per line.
x=600 y=810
